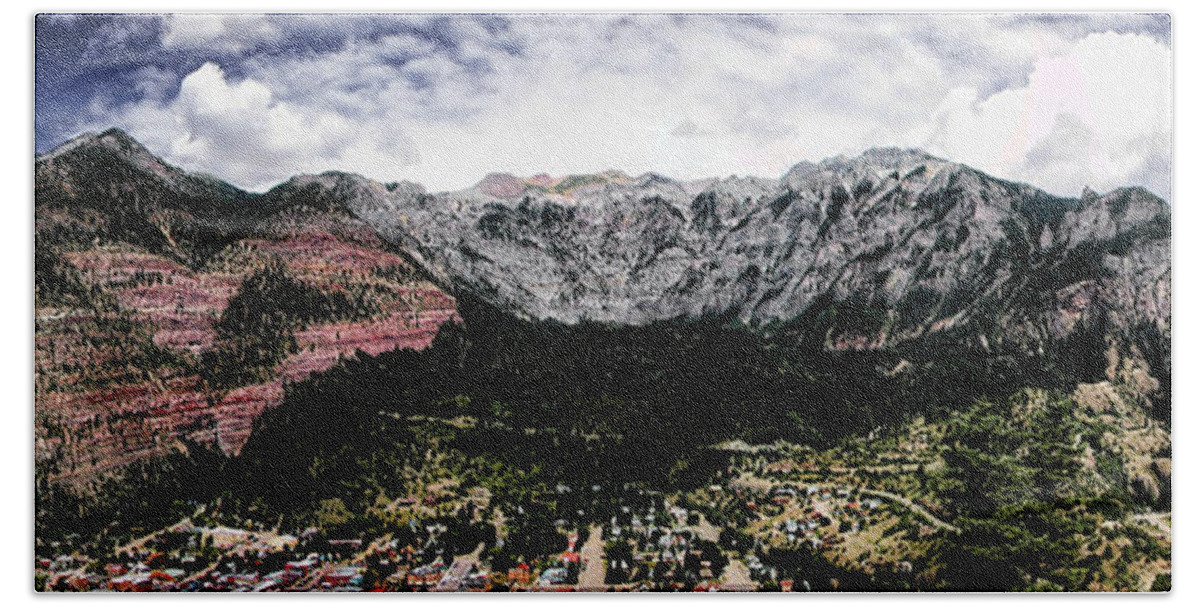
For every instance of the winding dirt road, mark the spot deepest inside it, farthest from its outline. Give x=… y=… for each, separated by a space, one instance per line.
x=907 y=502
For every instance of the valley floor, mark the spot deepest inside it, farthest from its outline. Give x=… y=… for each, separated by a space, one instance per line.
x=778 y=518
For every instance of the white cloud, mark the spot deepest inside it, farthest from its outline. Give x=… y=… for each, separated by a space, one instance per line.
x=217 y=33
x=1090 y=117
x=685 y=96
x=239 y=131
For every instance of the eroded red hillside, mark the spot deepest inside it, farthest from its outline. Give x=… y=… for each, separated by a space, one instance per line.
x=118 y=373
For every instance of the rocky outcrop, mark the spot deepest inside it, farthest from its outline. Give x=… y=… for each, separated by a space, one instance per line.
x=895 y=249
x=126 y=308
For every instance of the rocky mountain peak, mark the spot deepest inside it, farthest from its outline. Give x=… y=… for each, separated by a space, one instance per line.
x=502 y=185
x=892 y=157
x=872 y=252
x=118 y=139
x=113 y=139
x=114 y=159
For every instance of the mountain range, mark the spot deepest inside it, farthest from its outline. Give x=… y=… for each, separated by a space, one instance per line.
x=893 y=251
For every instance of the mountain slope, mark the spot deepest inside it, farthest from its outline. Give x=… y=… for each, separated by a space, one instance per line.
x=109 y=187
x=894 y=250
x=938 y=333
x=137 y=263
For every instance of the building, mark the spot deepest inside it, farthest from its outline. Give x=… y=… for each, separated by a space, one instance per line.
x=343 y=576
x=519 y=575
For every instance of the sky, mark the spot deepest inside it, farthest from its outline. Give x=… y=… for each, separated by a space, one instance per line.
x=1061 y=101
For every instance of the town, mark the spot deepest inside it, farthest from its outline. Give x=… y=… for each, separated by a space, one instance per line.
x=779 y=518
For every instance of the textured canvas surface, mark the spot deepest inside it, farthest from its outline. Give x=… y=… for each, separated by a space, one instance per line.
x=655 y=302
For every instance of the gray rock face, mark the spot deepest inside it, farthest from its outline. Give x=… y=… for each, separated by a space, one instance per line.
x=894 y=249
x=873 y=251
